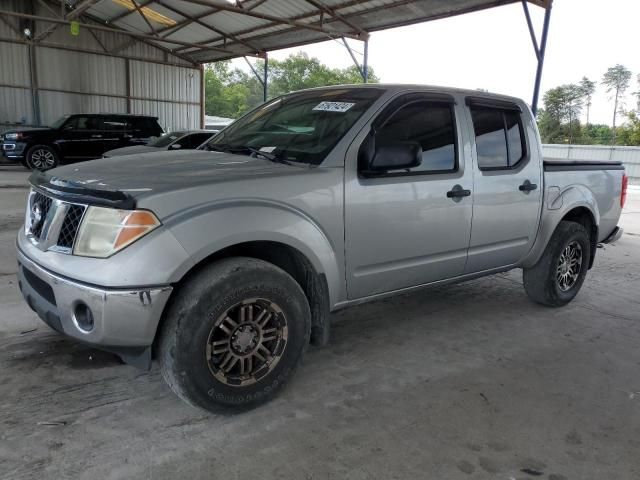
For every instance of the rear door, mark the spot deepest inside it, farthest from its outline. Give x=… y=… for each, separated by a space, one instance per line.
x=115 y=132
x=507 y=185
x=82 y=137
x=403 y=228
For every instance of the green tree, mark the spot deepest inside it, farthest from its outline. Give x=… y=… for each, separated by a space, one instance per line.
x=559 y=119
x=617 y=81
x=588 y=88
x=231 y=92
x=629 y=133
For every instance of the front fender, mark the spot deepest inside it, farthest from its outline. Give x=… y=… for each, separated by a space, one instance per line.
x=558 y=202
x=207 y=229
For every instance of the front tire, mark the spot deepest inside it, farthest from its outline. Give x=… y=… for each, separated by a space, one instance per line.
x=234 y=334
x=42 y=157
x=559 y=274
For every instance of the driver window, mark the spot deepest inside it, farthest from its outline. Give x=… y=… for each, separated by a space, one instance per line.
x=429 y=123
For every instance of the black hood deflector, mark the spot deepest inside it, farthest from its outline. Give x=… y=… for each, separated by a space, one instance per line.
x=80 y=192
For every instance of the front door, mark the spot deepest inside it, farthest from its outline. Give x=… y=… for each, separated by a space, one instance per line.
x=507 y=187
x=82 y=138
x=409 y=227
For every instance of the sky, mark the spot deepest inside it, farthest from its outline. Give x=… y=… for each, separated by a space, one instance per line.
x=492 y=50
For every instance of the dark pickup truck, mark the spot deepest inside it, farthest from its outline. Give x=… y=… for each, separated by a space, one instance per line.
x=77 y=137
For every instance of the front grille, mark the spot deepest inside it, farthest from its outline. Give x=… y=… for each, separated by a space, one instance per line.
x=45 y=205
x=53 y=224
x=70 y=226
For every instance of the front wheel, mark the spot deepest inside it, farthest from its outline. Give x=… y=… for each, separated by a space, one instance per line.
x=559 y=274
x=234 y=334
x=41 y=157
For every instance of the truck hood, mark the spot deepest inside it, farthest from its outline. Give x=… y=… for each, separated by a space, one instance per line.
x=136 y=176
x=131 y=150
x=27 y=130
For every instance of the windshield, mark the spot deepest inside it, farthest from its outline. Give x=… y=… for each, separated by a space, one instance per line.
x=166 y=139
x=301 y=127
x=58 y=123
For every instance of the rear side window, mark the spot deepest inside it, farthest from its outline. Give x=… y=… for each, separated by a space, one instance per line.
x=147 y=127
x=116 y=124
x=499 y=137
x=194 y=140
x=428 y=123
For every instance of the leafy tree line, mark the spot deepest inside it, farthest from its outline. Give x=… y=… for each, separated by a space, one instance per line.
x=229 y=92
x=564 y=107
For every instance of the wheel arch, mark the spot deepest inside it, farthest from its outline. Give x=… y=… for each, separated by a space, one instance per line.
x=574 y=203
x=290 y=259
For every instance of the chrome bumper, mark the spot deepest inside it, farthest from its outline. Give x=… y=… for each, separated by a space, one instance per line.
x=124 y=321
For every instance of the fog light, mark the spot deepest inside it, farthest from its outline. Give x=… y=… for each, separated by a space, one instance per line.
x=83 y=317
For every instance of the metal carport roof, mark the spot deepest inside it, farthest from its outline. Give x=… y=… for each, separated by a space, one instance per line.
x=225 y=29
x=204 y=31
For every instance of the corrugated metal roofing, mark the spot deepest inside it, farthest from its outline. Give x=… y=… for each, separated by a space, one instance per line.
x=252 y=27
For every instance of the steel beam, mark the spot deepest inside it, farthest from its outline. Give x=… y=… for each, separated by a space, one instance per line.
x=534 y=40
x=365 y=62
x=144 y=17
x=273 y=18
x=543 y=49
x=114 y=30
x=80 y=8
x=324 y=8
x=198 y=20
x=265 y=81
x=353 y=57
x=127 y=13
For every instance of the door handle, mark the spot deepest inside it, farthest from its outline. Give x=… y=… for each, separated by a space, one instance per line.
x=458 y=192
x=96 y=136
x=527 y=186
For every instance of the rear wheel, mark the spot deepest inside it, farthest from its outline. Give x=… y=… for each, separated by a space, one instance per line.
x=41 y=157
x=234 y=334
x=559 y=274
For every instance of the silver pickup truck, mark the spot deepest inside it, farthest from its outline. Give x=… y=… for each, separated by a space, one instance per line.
x=224 y=263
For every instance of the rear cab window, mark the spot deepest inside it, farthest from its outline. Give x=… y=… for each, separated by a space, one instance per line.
x=499 y=136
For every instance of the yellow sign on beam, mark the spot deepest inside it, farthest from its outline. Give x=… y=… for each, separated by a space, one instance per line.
x=75 y=28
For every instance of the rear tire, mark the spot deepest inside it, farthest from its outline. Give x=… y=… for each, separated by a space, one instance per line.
x=234 y=334
x=559 y=274
x=42 y=157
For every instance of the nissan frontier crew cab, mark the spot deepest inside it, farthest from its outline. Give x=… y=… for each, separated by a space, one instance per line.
x=224 y=263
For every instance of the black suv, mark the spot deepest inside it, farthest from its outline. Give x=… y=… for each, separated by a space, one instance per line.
x=77 y=137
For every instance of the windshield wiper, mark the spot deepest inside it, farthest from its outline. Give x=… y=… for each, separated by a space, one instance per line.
x=227 y=148
x=269 y=155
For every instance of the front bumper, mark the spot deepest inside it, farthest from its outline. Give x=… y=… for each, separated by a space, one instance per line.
x=124 y=320
x=13 y=150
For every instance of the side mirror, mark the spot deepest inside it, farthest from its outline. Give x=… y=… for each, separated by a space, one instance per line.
x=175 y=146
x=395 y=156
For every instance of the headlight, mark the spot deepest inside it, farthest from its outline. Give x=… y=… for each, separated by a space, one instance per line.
x=104 y=231
x=12 y=136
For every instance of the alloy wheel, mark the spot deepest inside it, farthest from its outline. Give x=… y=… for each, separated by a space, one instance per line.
x=43 y=159
x=569 y=266
x=247 y=342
